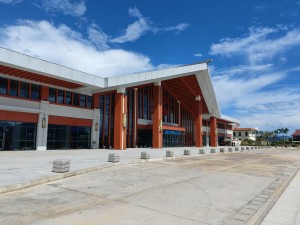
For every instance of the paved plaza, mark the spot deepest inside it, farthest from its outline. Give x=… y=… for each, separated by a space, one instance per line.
x=223 y=188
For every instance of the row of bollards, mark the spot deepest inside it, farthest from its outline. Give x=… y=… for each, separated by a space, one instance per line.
x=63 y=165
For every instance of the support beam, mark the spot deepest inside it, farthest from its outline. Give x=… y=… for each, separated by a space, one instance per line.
x=120 y=121
x=198 y=122
x=157 y=117
x=213 y=131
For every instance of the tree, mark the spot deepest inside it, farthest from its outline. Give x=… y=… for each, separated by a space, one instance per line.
x=285 y=131
x=276 y=132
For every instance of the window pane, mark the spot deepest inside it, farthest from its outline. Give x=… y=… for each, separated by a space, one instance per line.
x=24 y=90
x=52 y=95
x=89 y=101
x=35 y=91
x=76 y=99
x=60 y=96
x=13 y=90
x=82 y=100
x=68 y=100
x=3 y=85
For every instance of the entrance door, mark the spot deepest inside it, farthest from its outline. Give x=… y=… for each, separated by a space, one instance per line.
x=8 y=140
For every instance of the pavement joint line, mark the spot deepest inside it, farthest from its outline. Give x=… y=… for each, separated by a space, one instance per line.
x=48 y=179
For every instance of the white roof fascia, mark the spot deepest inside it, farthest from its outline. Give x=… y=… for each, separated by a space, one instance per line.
x=230 y=119
x=153 y=76
x=208 y=92
x=31 y=64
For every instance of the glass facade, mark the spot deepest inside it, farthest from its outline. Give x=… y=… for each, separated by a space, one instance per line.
x=68 y=137
x=106 y=120
x=17 y=135
x=69 y=98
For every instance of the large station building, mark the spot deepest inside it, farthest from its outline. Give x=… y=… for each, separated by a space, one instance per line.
x=46 y=106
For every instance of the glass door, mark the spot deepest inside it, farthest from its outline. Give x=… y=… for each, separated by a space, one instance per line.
x=2 y=138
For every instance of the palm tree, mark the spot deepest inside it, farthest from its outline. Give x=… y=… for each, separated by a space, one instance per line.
x=275 y=133
x=285 y=131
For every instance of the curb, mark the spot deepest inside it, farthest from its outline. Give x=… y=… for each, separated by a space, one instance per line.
x=47 y=179
x=264 y=210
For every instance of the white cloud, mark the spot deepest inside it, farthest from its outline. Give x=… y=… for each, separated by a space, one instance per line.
x=178 y=27
x=64 y=46
x=258 y=46
x=67 y=7
x=10 y=1
x=142 y=25
x=98 y=37
x=198 y=55
x=134 y=30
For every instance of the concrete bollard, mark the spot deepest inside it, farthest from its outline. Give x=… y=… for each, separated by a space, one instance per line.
x=61 y=166
x=229 y=149
x=201 y=151
x=247 y=148
x=236 y=149
x=212 y=150
x=242 y=149
x=145 y=155
x=113 y=157
x=251 y=148
x=169 y=154
x=222 y=150
x=187 y=152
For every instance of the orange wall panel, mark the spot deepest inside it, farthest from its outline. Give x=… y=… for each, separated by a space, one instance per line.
x=60 y=120
x=19 y=116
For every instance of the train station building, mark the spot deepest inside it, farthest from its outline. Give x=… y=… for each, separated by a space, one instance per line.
x=46 y=106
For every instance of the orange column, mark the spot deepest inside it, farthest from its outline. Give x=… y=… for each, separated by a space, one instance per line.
x=157 y=116
x=96 y=101
x=135 y=117
x=45 y=93
x=198 y=122
x=213 y=132
x=120 y=121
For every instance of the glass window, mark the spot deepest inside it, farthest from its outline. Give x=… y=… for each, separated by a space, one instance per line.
x=76 y=99
x=246 y=133
x=60 y=96
x=89 y=101
x=68 y=99
x=3 y=85
x=24 y=90
x=240 y=134
x=233 y=133
x=13 y=89
x=52 y=95
x=82 y=100
x=35 y=91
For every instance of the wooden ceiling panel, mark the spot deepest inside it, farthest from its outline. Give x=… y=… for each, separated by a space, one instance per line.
x=38 y=77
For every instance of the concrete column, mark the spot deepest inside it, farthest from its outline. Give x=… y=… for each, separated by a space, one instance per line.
x=95 y=129
x=207 y=137
x=120 y=120
x=42 y=127
x=157 y=133
x=213 y=131
x=198 y=122
x=135 y=118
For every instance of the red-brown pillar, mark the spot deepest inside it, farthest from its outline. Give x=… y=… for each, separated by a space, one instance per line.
x=213 y=132
x=96 y=101
x=157 y=116
x=135 y=117
x=198 y=122
x=120 y=120
x=45 y=93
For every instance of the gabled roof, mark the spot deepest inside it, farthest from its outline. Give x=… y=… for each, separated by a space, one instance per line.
x=194 y=78
x=297 y=133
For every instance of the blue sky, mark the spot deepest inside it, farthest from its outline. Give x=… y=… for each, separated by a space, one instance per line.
x=254 y=44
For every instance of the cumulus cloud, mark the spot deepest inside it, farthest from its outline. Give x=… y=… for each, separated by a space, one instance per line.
x=142 y=25
x=67 y=7
x=198 y=55
x=98 y=37
x=62 y=45
x=258 y=46
x=10 y=1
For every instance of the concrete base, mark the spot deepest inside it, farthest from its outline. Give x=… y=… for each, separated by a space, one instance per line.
x=41 y=148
